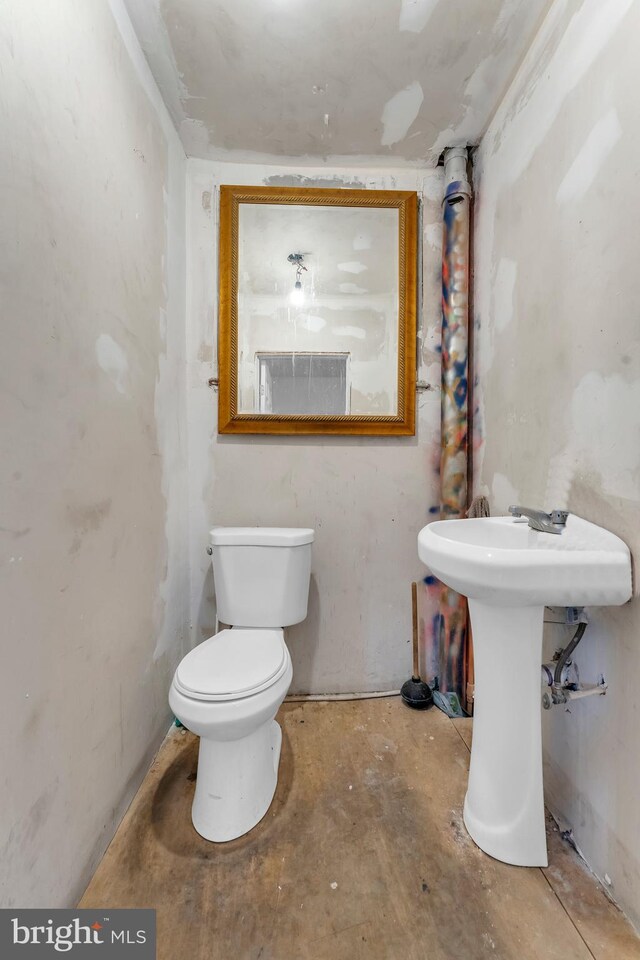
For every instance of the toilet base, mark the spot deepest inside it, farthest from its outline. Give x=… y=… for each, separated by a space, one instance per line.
x=236 y=782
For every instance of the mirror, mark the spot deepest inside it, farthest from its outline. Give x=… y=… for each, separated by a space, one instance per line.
x=317 y=311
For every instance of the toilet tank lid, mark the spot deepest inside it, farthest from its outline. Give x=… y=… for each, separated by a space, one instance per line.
x=260 y=536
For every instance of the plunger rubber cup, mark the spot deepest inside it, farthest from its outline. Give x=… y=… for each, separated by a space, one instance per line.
x=417 y=694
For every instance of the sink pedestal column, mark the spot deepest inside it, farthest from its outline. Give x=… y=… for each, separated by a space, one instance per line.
x=504 y=806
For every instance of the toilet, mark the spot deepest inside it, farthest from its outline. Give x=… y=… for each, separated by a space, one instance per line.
x=228 y=689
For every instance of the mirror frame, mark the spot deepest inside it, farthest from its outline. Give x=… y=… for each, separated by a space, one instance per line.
x=229 y=419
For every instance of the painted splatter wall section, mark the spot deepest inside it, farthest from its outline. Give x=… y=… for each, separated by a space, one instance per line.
x=558 y=361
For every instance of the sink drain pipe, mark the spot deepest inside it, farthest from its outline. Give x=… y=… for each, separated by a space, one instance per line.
x=555 y=676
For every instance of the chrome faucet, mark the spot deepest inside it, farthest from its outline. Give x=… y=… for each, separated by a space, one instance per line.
x=553 y=522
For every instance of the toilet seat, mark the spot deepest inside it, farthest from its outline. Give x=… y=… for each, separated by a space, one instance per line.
x=232 y=665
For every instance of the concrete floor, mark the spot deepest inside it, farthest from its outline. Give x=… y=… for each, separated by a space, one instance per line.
x=362 y=855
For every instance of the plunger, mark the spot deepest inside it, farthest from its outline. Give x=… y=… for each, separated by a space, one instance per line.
x=415 y=692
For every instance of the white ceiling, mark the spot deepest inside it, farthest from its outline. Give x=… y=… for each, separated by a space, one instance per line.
x=357 y=81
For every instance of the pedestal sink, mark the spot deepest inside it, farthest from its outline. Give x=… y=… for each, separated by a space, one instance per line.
x=510 y=573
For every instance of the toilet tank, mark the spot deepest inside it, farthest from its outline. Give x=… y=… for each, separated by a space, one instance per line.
x=261 y=574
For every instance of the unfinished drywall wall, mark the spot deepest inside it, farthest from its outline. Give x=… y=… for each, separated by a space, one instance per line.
x=93 y=523
x=366 y=498
x=558 y=363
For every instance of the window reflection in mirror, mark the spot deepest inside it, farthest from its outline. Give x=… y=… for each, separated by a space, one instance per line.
x=294 y=383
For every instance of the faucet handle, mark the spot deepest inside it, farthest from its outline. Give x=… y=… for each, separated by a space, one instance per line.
x=558 y=517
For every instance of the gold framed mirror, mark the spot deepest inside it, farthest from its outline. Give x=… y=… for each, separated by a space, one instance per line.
x=317 y=311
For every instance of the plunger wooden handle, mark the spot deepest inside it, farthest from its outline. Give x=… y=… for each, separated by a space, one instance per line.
x=414 y=617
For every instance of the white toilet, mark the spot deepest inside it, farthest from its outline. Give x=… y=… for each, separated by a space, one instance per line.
x=228 y=689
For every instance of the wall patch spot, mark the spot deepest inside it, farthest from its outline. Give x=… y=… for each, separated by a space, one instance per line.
x=400 y=112
x=352 y=266
x=113 y=360
x=87 y=517
x=312 y=323
x=433 y=235
x=593 y=153
x=357 y=332
x=415 y=14
x=299 y=180
x=205 y=353
x=503 y=493
x=503 y=289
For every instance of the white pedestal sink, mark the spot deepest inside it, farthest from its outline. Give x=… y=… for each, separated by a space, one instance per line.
x=510 y=573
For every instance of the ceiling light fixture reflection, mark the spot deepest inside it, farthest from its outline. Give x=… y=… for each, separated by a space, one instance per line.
x=296 y=297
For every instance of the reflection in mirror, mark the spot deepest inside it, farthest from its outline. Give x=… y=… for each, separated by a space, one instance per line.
x=294 y=383
x=317 y=318
x=318 y=309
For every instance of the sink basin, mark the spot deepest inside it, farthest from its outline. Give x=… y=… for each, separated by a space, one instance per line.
x=510 y=573
x=501 y=560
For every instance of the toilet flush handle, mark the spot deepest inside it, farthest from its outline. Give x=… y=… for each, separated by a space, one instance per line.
x=209 y=550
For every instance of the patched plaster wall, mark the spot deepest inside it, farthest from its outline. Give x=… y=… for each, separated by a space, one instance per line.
x=366 y=498
x=93 y=527
x=558 y=363
x=355 y=83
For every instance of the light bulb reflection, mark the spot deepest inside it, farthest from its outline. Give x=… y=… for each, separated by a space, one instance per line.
x=296 y=296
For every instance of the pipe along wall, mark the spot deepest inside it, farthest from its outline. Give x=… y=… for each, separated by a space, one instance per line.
x=453 y=632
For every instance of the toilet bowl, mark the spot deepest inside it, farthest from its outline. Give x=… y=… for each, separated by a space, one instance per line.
x=228 y=689
x=233 y=714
